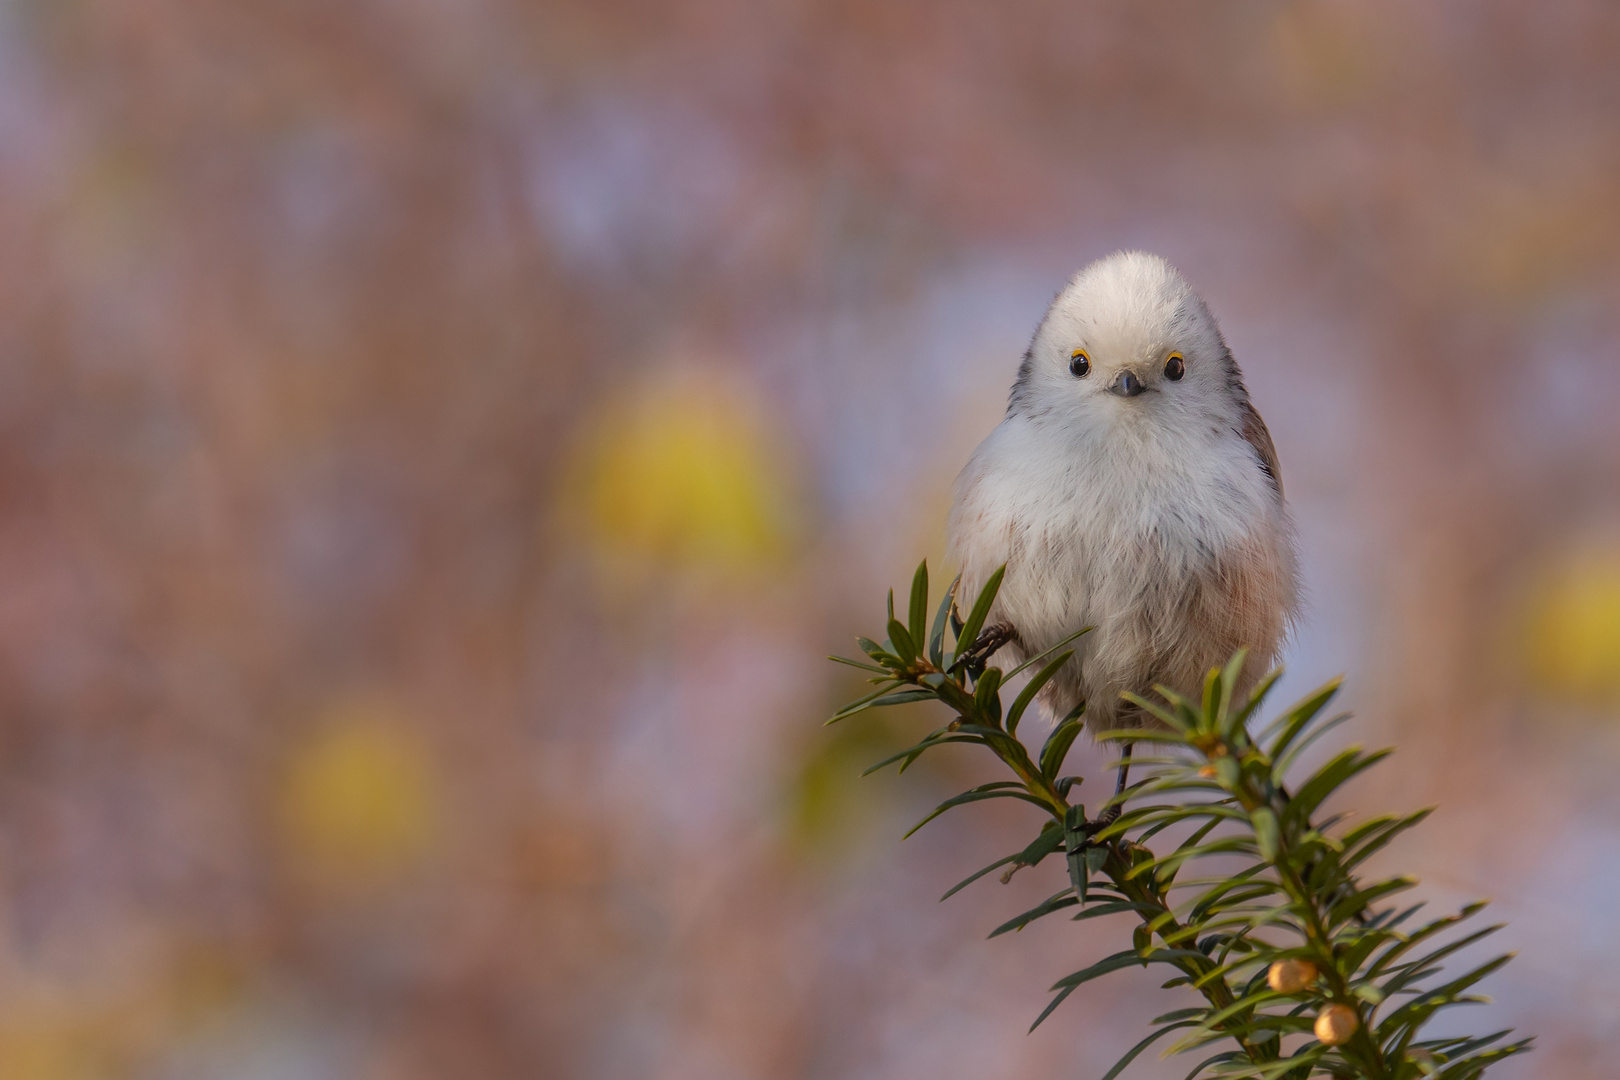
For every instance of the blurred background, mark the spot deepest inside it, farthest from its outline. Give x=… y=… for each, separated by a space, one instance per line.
x=440 y=440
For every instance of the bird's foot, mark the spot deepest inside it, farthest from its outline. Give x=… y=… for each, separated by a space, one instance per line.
x=990 y=639
x=1111 y=815
x=1104 y=819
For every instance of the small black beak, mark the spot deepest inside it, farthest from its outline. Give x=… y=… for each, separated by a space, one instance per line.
x=1126 y=384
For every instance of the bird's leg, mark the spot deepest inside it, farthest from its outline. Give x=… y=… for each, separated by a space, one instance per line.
x=985 y=645
x=1111 y=815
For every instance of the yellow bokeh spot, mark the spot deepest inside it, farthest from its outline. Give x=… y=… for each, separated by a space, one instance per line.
x=1574 y=629
x=1326 y=56
x=42 y=1048
x=359 y=798
x=681 y=476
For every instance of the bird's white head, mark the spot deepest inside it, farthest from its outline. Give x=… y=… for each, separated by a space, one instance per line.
x=1127 y=343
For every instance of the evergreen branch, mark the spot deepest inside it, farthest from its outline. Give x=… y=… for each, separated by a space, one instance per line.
x=1288 y=945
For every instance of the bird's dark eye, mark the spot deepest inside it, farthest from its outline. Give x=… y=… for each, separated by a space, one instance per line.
x=1079 y=364
x=1175 y=367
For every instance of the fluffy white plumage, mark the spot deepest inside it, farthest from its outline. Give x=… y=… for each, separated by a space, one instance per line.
x=1156 y=517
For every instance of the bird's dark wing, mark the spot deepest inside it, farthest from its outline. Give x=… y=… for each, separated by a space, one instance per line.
x=1255 y=434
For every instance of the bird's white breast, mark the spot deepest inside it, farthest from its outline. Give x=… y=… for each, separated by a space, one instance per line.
x=1105 y=528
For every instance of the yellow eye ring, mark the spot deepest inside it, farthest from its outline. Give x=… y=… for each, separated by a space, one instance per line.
x=1079 y=364
x=1174 y=367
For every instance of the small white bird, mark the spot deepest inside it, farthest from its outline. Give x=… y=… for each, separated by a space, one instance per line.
x=1132 y=488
